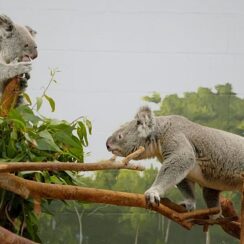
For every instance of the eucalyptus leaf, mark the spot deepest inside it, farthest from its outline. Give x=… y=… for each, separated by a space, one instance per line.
x=27 y=98
x=51 y=102
x=39 y=102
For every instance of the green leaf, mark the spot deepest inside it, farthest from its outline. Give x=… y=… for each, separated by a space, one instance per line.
x=51 y=102
x=77 y=153
x=18 y=120
x=66 y=138
x=27 y=98
x=81 y=131
x=89 y=125
x=28 y=114
x=55 y=179
x=39 y=102
x=46 y=145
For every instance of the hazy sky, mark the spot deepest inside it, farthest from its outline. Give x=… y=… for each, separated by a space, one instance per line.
x=112 y=52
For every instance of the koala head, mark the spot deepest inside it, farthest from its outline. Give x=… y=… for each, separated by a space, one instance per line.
x=16 y=41
x=130 y=136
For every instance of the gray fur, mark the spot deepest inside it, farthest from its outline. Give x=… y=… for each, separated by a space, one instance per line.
x=17 y=48
x=189 y=153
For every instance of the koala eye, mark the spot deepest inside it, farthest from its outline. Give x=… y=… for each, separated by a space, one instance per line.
x=120 y=136
x=26 y=45
x=138 y=122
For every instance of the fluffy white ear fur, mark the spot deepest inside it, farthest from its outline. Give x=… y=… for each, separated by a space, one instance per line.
x=32 y=32
x=145 y=121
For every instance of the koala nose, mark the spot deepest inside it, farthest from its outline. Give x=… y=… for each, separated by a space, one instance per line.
x=35 y=56
x=107 y=145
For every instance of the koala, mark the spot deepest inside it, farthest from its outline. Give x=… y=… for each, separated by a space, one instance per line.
x=17 y=49
x=189 y=152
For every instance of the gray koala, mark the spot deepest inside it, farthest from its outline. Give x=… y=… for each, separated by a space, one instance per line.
x=189 y=153
x=17 y=49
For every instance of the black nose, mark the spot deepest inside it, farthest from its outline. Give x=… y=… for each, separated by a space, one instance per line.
x=108 y=144
x=34 y=54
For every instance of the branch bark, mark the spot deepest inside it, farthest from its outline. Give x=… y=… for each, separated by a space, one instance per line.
x=7 y=237
x=50 y=166
x=64 y=192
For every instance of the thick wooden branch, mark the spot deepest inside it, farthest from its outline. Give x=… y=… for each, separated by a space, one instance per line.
x=65 y=192
x=8 y=237
x=27 y=188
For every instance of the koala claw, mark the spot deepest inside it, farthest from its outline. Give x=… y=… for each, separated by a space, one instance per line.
x=152 y=198
x=189 y=204
x=217 y=216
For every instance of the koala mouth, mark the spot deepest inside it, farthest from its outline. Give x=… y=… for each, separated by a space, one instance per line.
x=117 y=152
x=26 y=58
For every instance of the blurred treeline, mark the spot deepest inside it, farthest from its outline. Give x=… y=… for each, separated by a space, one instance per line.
x=76 y=222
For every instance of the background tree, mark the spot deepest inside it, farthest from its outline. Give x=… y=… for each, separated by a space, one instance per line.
x=221 y=108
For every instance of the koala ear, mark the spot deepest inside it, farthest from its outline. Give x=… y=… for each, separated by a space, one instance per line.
x=145 y=121
x=32 y=31
x=6 y=23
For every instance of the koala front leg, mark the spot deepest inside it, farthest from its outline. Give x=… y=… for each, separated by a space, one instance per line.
x=8 y=71
x=186 y=188
x=173 y=170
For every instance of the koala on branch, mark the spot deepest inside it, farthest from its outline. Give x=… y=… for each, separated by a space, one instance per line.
x=17 y=49
x=190 y=153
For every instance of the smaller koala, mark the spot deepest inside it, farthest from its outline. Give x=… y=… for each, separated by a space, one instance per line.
x=189 y=152
x=17 y=49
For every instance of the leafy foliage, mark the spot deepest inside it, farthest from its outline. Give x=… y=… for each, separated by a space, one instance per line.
x=28 y=136
x=221 y=108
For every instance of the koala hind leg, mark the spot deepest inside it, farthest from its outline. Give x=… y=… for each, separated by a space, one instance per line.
x=211 y=197
x=186 y=188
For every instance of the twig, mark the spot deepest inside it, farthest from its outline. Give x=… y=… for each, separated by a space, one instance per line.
x=133 y=155
x=219 y=221
x=199 y=213
x=51 y=166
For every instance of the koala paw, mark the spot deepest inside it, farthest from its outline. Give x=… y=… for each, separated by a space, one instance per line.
x=152 y=198
x=23 y=67
x=189 y=204
x=217 y=216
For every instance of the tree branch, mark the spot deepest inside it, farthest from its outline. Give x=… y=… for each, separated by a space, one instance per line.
x=65 y=192
x=7 y=237
x=58 y=166
x=50 y=166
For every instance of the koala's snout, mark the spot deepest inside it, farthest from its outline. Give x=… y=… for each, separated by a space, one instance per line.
x=108 y=144
x=34 y=54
